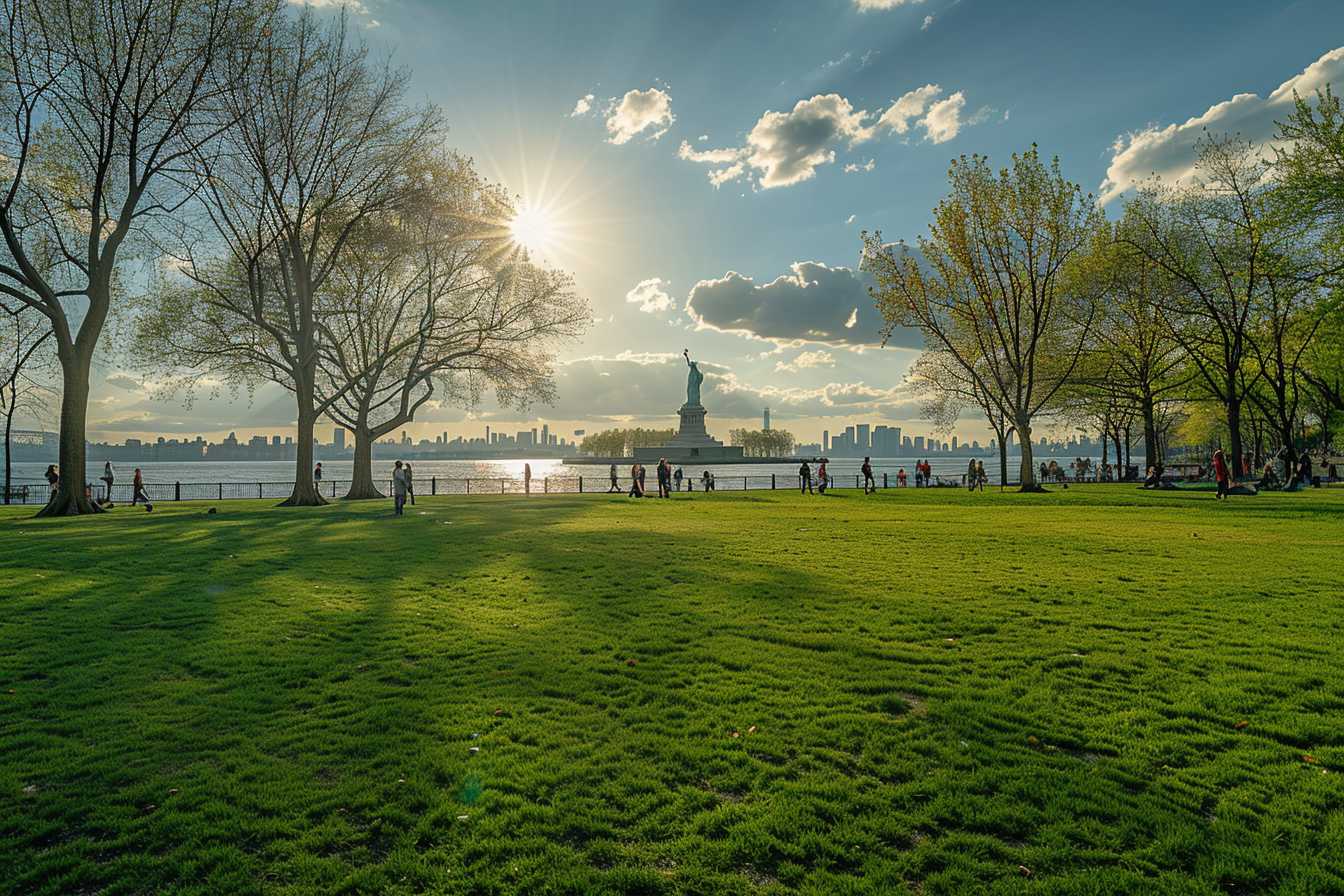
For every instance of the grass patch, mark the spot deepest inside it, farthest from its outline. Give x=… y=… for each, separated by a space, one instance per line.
x=1091 y=691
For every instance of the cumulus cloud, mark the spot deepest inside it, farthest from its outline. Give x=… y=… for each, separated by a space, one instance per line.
x=651 y=296
x=582 y=106
x=646 y=112
x=811 y=303
x=786 y=148
x=944 y=119
x=879 y=5
x=1169 y=151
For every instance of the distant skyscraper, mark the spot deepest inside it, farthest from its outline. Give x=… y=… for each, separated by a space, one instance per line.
x=954 y=443
x=766 y=425
x=919 y=443
x=338 y=438
x=825 y=440
x=861 y=438
x=488 y=440
x=545 y=433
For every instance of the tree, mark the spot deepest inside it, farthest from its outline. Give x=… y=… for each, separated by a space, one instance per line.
x=623 y=442
x=436 y=300
x=320 y=142
x=763 y=442
x=950 y=389
x=1210 y=237
x=1136 y=361
x=24 y=337
x=106 y=100
x=988 y=285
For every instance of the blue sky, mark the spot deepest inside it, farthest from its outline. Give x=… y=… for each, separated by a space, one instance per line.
x=785 y=96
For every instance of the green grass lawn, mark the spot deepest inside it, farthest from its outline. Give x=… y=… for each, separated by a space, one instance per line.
x=1091 y=691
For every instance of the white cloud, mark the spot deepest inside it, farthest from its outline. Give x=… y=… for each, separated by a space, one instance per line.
x=1169 y=151
x=944 y=119
x=710 y=156
x=855 y=167
x=725 y=175
x=647 y=112
x=909 y=108
x=355 y=6
x=850 y=219
x=928 y=20
x=582 y=106
x=651 y=296
x=788 y=147
x=811 y=303
x=806 y=360
x=880 y=5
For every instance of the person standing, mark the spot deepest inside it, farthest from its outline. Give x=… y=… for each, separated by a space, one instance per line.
x=138 y=491
x=805 y=479
x=410 y=483
x=615 y=482
x=823 y=478
x=970 y=476
x=527 y=480
x=1305 y=473
x=642 y=473
x=53 y=478
x=869 y=484
x=634 y=481
x=399 y=489
x=108 y=477
x=901 y=477
x=677 y=477
x=1221 y=474
x=980 y=477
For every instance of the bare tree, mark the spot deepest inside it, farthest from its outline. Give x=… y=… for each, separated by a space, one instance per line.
x=105 y=102
x=320 y=142
x=24 y=371
x=989 y=288
x=436 y=303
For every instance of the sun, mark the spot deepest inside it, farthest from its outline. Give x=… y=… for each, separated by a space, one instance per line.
x=533 y=228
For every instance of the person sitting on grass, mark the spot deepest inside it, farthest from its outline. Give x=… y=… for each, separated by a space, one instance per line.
x=1269 y=477
x=138 y=491
x=1152 y=480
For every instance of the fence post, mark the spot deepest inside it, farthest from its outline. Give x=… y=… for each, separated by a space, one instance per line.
x=258 y=489
x=221 y=491
x=580 y=485
x=468 y=482
x=433 y=485
x=884 y=480
x=177 y=491
x=772 y=482
x=545 y=485
x=744 y=483
x=501 y=485
x=856 y=480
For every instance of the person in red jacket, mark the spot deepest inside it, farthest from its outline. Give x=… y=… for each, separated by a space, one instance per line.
x=1221 y=475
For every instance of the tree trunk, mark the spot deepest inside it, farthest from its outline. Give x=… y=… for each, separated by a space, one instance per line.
x=1151 y=450
x=9 y=424
x=1029 y=483
x=1234 y=435
x=306 y=493
x=69 y=499
x=362 y=486
x=1003 y=461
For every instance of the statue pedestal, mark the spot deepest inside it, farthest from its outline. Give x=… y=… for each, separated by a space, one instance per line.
x=691 y=432
x=692 y=443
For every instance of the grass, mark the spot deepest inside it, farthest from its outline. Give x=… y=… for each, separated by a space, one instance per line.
x=1091 y=691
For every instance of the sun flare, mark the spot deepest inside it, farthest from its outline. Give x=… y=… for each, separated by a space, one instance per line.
x=533 y=228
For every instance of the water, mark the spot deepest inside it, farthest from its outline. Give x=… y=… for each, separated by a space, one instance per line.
x=843 y=469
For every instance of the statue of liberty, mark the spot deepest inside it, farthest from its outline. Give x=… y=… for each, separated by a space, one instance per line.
x=693 y=380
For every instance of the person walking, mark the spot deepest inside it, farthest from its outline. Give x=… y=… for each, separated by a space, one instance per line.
x=869 y=483
x=634 y=482
x=409 y=478
x=1221 y=474
x=805 y=479
x=980 y=477
x=643 y=471
x=970 y=476
x=527 y=479
x=399 y=489
x=677 y=477
x=615 y=482
x=108 y=477
x=823 y=478
x=138 y=491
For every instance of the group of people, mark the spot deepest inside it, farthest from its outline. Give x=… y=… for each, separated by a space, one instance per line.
x=805 y=478
x=976 y=475
x=669 y=480
x=403 y=487
x=138 y=494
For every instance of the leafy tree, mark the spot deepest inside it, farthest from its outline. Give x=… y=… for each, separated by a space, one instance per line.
x=763 y=442
x=988 y=287
x=320 y=142
x=105 y=103
x=25 y=368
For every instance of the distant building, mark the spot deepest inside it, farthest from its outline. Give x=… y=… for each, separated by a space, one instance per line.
x=862 y=441
x=766 y=422
x=338 y=438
